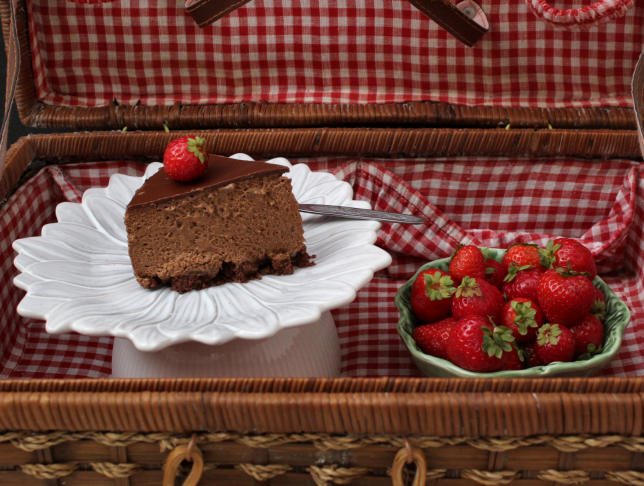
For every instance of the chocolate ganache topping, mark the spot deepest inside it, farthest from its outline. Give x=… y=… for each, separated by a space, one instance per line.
x=221 y=172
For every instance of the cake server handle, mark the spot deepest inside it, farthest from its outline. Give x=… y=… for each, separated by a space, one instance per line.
x=357 y=213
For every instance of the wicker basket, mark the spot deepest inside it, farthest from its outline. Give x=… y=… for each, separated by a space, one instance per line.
x=318 y=431
x=293 y=431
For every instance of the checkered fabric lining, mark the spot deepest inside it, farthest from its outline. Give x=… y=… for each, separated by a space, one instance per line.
x=335 y=51
x=580 y=18
x=490 y=202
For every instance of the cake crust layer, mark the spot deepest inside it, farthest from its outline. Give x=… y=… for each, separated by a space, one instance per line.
x=229 y=272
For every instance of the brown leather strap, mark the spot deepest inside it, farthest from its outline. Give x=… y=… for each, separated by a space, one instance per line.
x=205 y=12
x=450 y=18
x=443 y=12
x=13 y=66
x=638 y=99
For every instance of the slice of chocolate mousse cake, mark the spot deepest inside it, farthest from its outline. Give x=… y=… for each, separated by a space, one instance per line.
x=235 y=223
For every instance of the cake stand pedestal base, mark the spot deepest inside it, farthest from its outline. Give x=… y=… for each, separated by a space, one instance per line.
x=306 y=351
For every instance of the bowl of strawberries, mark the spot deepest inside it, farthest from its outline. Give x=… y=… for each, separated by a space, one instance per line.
x=522 y=312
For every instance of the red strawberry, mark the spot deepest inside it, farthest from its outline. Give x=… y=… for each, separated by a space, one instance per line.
x=532 y=358
x=589 y=335
x=475 y=344
x=523 y=317
x=570 y=254
x=431 y=295
x=516 y=360
x=599 y=295
x=477 y=297
x=522 y=282
x=565 y=297
x=555 y=343
x=522 y=254
x=599 y=305
x=432 y=338
x=495 y=273
x=185 y=159
x=468 y=261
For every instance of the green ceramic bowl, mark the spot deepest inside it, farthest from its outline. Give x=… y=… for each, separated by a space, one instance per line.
x=617 y=319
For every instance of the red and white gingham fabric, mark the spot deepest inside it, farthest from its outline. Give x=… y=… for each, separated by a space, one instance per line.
x=489 y=202
x=335 y=51
x=580 y=18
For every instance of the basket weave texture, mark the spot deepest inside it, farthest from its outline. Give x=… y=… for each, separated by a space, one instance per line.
x=277 y=437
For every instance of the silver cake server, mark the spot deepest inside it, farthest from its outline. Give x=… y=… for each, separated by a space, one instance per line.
x=356 y=213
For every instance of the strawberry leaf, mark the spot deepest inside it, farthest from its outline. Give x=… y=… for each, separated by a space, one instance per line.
x=548 y=334
x=524 y=316
x=514 y=270
x=592 y=351
x=599 y=309
x=497 y=341
x=461 y=245
x=468 y=288
x=569 y=272
x=438 y=286
x=489 y=270
x=195 y=146
x=547 y=254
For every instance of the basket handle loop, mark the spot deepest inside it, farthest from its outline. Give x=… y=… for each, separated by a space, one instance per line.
x=408 y=455
x=580 y=18
x=189 y=452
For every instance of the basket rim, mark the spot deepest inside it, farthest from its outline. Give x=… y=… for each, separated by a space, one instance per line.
x=398 y=142
x=355 y=406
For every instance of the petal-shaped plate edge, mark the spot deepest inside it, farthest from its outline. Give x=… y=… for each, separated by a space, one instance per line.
x=379 y=259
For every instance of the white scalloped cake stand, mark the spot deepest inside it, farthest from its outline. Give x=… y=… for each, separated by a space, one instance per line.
x=78 y=278
x=310 y=351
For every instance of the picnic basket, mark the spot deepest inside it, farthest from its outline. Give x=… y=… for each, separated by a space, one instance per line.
x=482 y=162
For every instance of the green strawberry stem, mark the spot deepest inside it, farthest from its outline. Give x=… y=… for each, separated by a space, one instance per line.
x=569 y=272
x=547 y=254
x=548 y=334
x=468 y=288
x=195 y=145
x=497 y=340
x=599 y=310
x=592 y=351
x=514 y=270
x=524 y=317
x=439 y=286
